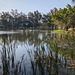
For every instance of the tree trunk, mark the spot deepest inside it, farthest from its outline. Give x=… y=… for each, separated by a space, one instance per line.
x=67 y=28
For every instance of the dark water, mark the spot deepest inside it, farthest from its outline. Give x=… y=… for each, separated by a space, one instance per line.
x=37 y=53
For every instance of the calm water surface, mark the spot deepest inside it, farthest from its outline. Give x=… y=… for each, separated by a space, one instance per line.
x=36 y=52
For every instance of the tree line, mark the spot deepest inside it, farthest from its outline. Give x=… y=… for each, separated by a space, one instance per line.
x=55 y=19
x=16 y=20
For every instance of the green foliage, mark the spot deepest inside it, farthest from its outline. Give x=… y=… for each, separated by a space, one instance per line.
x=65 y=17
x=61 y=19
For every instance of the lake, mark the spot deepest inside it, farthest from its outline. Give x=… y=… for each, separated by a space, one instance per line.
x=36 y=52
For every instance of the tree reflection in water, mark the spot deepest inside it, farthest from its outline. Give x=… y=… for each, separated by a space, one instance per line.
x=52 y=54
x=9 y=65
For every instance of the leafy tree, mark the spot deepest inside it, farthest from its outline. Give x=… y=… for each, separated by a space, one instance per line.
x=64 y=17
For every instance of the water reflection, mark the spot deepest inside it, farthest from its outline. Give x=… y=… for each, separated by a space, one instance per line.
x=37 y=53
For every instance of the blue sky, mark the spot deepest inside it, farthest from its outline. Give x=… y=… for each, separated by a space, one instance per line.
x=26 y=6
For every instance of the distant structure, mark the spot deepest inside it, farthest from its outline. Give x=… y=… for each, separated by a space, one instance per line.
x=2 y=26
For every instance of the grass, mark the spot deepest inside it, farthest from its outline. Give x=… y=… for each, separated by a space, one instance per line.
x=59 y=31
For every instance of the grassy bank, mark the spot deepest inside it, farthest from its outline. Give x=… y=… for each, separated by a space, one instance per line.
x=64 y=32
x=59 y=31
